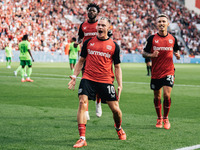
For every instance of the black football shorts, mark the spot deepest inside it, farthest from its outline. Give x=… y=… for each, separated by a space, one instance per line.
x=156 y=84
x=147 y=60
x=90 y=88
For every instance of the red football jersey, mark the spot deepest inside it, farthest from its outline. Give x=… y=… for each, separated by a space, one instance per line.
x=163 y=64
x=87 y=30
x=100 y=55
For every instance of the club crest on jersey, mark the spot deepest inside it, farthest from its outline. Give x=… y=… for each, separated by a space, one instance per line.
x=170 y=41
x=108 y=47
x=91 y=44
x=156 y=41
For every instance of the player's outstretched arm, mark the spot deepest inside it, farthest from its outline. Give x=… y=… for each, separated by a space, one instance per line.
x=77 y=70
x=118 y=74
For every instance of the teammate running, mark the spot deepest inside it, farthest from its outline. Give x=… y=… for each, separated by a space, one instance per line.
x=88 y=30
x=160 y=48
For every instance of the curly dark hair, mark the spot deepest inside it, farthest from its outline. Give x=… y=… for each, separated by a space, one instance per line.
x=25 y=37
x=93 y=5
x=73 y=39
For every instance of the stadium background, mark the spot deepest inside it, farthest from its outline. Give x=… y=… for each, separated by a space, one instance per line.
x=42 y=115
x=51 y=24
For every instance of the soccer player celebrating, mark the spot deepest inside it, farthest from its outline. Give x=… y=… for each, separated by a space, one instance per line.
x=74 y=48
x=100 y=53
x=88 y=30
x=160 y=48
x=25 y=58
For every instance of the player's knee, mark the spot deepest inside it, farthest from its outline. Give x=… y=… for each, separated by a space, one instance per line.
x=157 y=98
x=116 y=111
x=166 y=96
x=82 y=101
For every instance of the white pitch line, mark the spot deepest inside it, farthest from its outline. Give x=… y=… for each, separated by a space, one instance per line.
x=174 y=84
x=189 y=148
x=56 y=75
x=67 y=78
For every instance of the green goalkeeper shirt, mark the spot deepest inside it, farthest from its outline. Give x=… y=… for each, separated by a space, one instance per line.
x=24 y=46
x=73 y=51
x=8 y=51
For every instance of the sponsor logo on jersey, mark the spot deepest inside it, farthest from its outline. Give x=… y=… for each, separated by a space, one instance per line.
x=108 y=47
x=92 y=52
x=91 y=44
x=170 y=41
x=156 y=41
x=84 y=28
x=155 y=48
x=90 y=34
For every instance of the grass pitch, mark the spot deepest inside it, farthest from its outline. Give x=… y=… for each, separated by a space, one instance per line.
x=42 y=115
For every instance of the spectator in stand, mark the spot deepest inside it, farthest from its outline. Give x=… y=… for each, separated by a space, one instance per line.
x=47 y=25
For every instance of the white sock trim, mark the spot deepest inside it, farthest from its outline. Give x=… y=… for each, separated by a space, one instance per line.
x=82 y=137
x=118 y=128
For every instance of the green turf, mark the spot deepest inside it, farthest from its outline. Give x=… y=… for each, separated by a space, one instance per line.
x=42 y=115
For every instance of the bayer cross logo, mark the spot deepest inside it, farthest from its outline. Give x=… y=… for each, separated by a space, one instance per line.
x=170 y=41
x=108 y=47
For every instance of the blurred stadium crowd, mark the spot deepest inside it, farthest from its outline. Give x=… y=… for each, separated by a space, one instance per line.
x=133 y=21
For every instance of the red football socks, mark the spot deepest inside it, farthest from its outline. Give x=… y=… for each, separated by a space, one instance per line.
x=158 y=107
x=118 y=124
x=82 y=129
x=166 y=107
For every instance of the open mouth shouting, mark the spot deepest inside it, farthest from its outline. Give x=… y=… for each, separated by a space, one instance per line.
x=100 y=31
